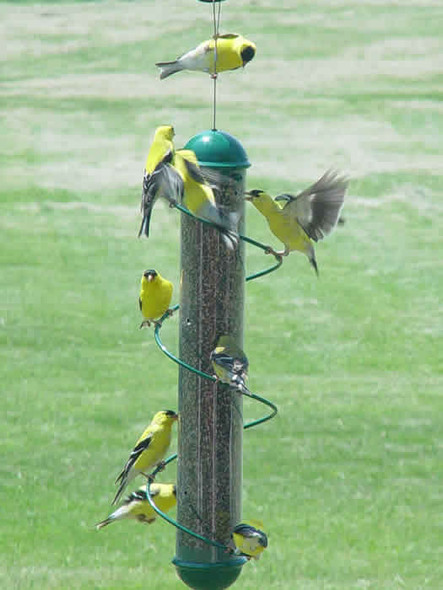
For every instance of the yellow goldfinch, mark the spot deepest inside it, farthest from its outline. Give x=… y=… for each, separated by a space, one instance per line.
x=199 y=198
x=160 y=179
x=225 y=52
x=155 y=296
x=249 y=539
x=230 y=363
x=149 y=450
x=137 y=506
x=311 y=215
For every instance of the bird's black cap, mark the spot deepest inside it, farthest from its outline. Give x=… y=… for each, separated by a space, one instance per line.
x=150 y=273
x=247 y=54
x=252 y=194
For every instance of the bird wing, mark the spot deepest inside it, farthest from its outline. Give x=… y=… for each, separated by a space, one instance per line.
x=192 y=167
x=236 y=367
x=223 y=359
x=140 y=495
x=200 y=190
x=318 y=207
x=228 y=345
x=216 y=180
x=250 y=532
x=136 y=496
x=164 y=181
x=194 y=171
x=167 y=179
x=246 y=530
x=197 y=53
x=135 y=454
x=149 y=193
x=140 y=303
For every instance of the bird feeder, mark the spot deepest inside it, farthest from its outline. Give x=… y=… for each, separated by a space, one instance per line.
x=209 y=477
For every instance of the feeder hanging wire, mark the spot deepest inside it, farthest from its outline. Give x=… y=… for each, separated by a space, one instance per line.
x=216 y=23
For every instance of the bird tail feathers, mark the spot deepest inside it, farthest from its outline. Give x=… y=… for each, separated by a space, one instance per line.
x=144 y=227
x=166 y=182
x=167 y=68
x=225 y=222
x=104 y=523
x=123 y=481
x=239 y=383
x=312 y=260
x=118 y=514
x=227 y=225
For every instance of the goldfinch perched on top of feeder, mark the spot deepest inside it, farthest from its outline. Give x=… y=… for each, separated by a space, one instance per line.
x=219 y=54
x=149 y=450
x=230 y=363
x=160 y=179
x=137 y=506
x=199 y=198
x=310 y=215
x=155 y=296
x=249 y=539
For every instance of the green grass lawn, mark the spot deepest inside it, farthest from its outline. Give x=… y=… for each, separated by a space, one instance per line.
x=348 y=477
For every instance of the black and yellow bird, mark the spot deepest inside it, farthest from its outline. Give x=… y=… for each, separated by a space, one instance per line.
x=155 y=296
x=230 y=363
x=229 y=51
x=149 y=450
x=136 y=506
x=160 y=178
x=249 y=539
x=309 y=216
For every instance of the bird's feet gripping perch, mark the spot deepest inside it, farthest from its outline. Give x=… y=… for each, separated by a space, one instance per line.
x=147 y=323
x=160 y=467
x=277 y=253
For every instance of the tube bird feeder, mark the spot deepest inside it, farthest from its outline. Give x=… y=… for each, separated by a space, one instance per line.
x=209 y=472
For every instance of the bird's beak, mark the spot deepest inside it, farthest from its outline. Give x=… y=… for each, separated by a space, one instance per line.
x=248 y=197
x=176 y=417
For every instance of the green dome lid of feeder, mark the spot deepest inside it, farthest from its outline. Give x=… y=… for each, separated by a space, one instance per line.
x=218 y=149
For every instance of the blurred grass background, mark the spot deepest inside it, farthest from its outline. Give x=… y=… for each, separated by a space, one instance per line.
x=348 y=478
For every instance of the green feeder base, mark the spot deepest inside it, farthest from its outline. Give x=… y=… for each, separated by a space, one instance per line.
x=209 y=576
